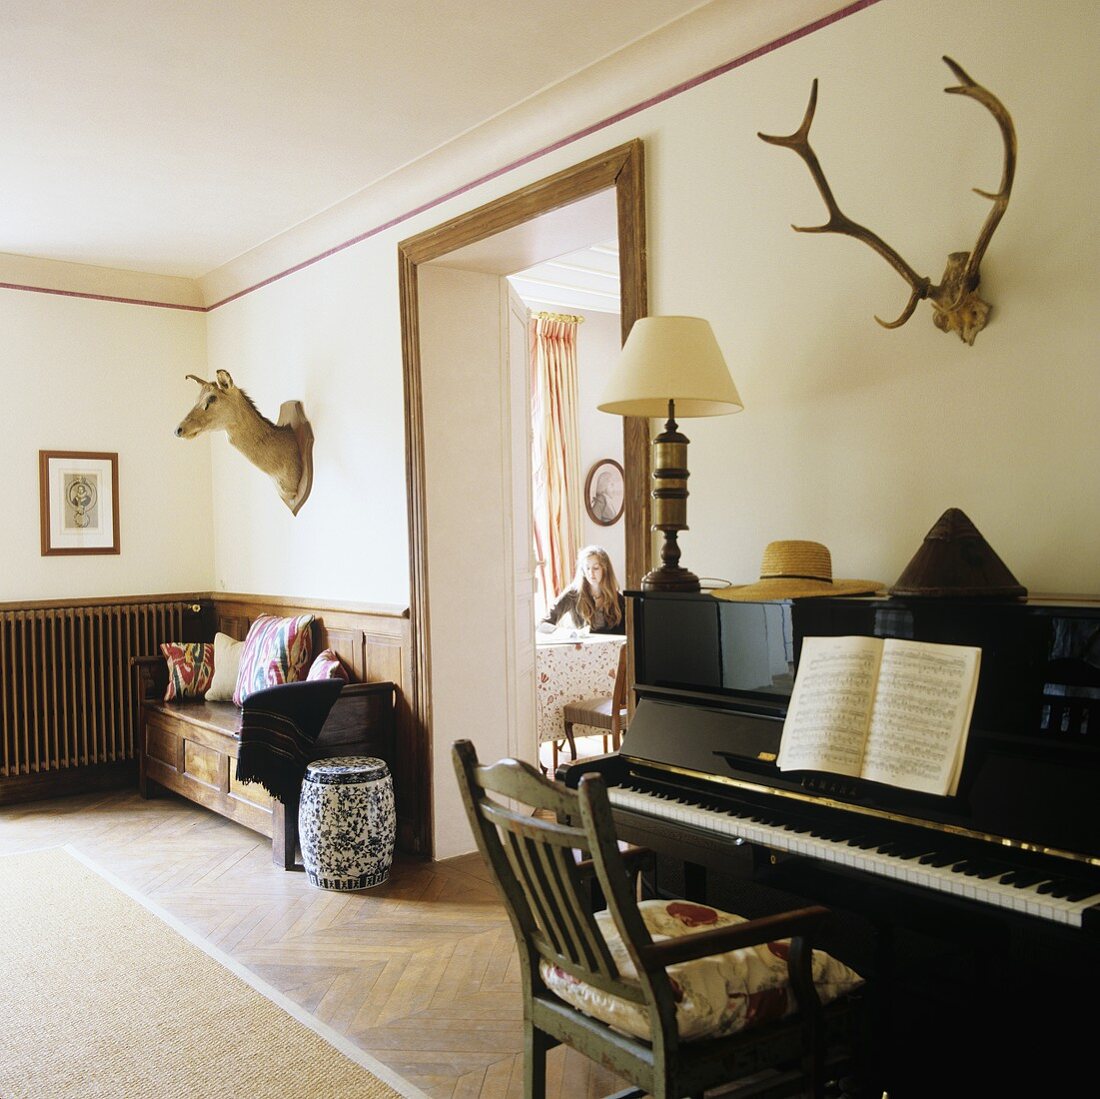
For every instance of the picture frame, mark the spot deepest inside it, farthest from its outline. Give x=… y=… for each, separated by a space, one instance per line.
x=79 y=502
x=604 y=492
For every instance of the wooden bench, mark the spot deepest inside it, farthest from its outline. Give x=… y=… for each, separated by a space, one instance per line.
x=191 y=748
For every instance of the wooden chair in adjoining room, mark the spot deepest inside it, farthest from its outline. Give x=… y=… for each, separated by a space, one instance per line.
x=608 y=713
x=714 y=1000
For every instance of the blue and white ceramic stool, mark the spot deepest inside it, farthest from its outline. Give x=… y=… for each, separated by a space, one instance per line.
x=346 y=822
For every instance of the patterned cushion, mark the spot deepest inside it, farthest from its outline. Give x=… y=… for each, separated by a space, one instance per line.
x=227 y=662
x=716 y=995
x=327 y=665
x=276 y=650
x=190 y=668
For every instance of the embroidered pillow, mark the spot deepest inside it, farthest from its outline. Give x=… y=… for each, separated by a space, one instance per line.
x=227 y=662
x=190 y=668
x=276 y=650
x=327 y=665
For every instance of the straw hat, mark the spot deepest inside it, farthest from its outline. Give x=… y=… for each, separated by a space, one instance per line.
x=796 y=570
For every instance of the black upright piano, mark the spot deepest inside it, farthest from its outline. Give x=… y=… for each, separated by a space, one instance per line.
x=976 y=917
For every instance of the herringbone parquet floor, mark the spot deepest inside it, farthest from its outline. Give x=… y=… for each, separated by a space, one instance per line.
x=420 y=972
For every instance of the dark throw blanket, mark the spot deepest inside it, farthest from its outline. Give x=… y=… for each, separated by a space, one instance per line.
x=279 y=729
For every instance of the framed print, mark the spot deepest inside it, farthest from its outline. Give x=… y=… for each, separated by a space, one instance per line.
x=79 y=502
x=603 y=492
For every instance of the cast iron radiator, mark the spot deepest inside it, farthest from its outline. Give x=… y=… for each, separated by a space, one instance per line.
x=67 y=692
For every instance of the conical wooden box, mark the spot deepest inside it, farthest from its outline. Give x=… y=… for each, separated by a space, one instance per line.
x=955 y=560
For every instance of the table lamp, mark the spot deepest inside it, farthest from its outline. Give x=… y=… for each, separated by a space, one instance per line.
x=673 y=366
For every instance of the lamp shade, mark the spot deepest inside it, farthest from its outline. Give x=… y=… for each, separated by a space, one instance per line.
x=670 y=358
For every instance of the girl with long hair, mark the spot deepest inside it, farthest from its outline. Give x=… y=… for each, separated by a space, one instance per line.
x=593 y=599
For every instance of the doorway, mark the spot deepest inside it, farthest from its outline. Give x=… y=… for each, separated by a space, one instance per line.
x=575 y=293
x=619 y=171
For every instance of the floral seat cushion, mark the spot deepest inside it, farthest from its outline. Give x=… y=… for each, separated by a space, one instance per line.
x=716 y=995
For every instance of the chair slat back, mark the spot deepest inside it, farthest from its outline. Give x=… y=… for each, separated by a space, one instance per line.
x=535 y=861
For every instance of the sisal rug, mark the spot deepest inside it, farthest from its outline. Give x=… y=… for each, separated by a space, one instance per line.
x=103 y=996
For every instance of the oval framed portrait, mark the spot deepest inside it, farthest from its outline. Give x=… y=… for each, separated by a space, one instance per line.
x=604 y=492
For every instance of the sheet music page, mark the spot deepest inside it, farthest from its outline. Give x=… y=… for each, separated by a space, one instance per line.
x=921 y=715
x=830 y=706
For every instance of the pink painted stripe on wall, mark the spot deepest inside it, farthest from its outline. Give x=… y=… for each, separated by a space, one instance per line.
x=595 y=127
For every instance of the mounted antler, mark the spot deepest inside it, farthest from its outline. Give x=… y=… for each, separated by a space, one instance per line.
x=954 y=299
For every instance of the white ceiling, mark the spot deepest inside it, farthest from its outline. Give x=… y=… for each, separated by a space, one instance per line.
x=171 y=138
x=567 y=259
x=586 y=280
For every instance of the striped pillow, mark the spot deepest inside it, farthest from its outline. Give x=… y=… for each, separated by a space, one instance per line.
x=190 y=668
x=276 y=650
x=327 y=665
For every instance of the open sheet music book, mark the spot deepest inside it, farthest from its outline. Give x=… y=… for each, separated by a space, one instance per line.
x=882 y=709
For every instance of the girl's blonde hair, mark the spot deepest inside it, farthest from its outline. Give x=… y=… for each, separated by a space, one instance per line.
x=607 y=598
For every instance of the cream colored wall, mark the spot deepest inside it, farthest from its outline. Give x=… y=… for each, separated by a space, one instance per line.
x=90 y=375
x=852 y=435
x=330 y=338
x=858 y=436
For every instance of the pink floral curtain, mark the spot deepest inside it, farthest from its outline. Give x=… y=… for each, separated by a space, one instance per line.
x=555 y=456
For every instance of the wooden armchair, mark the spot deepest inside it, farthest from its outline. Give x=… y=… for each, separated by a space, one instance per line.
x=655 y=1012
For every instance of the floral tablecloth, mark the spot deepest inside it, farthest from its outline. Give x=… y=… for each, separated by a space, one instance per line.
x=569 y=671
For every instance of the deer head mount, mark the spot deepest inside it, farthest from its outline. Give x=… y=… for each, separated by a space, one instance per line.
x=956 y=305
x=284 y=451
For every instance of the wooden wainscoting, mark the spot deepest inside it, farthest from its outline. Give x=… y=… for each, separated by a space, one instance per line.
x=68 y=702
x=374 y=641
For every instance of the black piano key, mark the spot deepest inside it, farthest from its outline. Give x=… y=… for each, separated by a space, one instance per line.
x=903 y=849
x=830 y=836
x=1068 y=889
x=939 y=858
x=1078 y=891
x=1023 y=879
x=984 y=869
x=915 y=851
x=992 y=870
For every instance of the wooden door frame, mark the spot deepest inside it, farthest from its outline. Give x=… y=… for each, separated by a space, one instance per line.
x=621 y=168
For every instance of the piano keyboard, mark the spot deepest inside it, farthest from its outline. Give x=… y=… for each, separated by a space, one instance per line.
x=1032 y=894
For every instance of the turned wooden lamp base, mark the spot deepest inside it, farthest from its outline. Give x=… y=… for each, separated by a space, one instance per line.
x=670 y=493
x=670 y=576
x=670 y=580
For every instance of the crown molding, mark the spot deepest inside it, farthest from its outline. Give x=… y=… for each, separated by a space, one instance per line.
x=704 y=44
x=78 y=280
x=707 y=42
